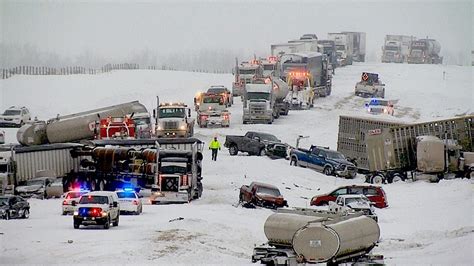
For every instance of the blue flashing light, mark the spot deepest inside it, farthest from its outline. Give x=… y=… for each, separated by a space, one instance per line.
x=128 y=189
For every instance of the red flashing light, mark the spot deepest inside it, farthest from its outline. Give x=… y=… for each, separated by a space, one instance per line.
x=65 y=202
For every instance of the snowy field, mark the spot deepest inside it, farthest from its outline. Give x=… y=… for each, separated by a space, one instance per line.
x=425 y=223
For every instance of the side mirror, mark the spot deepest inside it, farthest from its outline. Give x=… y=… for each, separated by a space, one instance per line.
x=73 y=203
x=115 y=204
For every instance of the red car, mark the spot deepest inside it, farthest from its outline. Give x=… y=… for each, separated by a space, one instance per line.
x=374 y=193
x=261 y=194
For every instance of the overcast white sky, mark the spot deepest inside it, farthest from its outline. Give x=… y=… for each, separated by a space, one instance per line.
x=114 y=28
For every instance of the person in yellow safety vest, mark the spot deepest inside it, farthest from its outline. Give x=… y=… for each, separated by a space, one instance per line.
x=214 y=146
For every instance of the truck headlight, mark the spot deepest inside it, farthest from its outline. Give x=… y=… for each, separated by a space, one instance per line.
x=76 y=213
x=182 y=127
x=160 y=126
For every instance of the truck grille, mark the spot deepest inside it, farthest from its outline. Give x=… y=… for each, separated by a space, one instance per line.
x=170 y=125
x=257 y=109
x=170 y=183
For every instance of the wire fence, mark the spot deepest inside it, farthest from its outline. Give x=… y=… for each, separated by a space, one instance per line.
x=74 y=70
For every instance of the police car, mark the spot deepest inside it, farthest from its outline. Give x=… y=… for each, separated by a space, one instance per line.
x=129 y=201
x=380 y=106
x=97 y=208
x=69 y=197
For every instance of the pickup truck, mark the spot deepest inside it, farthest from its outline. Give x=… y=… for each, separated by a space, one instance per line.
x=323 y=159
x=353 y=203
x=261 y=194
x=253 y=142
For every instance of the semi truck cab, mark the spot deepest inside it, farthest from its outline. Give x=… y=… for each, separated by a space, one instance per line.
x=174 y=120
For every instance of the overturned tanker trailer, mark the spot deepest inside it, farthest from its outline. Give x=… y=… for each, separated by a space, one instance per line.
x=309 y=236
x=79 y=126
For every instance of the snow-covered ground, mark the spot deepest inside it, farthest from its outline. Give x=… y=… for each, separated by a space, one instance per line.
x=425 y=223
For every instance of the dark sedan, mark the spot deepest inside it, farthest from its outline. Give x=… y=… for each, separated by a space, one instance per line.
x=14 y=207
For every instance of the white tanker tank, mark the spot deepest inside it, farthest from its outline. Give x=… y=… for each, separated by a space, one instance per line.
x=74 y=127
x=280 y=90
x=318 y=237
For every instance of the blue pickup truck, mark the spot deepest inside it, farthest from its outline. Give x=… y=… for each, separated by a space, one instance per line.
x=324 y=160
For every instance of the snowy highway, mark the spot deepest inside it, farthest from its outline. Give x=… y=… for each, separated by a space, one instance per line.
x=425 y=223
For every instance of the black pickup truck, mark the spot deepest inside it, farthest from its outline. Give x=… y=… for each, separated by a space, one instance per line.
x=253 y=142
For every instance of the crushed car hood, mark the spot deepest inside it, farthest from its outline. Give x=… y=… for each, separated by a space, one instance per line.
x=29 y=189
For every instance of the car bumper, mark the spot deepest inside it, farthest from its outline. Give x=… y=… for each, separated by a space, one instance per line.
x=215 y=122
x=10 y=123
x=346 y=173
x=169 y=197
x=172 y=134
x=90 y=220
x=128 y=208
x=68 y=209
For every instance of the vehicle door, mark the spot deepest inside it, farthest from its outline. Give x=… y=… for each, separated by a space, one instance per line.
x=15 y=207
x=250 y=142
x=115 y=208
x=333 y=195
x=112 y=211
x=318 y=159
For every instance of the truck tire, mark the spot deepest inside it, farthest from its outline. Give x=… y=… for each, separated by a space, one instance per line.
x=377 y=179
x=26 y=214
x=233 y=150
x=107 y=223
x=328 y=170
x=116 y=222
x=396 y=177
x=262 y=152
x=76 y=225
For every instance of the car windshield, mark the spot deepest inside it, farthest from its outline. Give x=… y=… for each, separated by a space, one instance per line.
x=35 y=182
x=142 y=121
x=74 y=195
x=3 y=201
x=212 y=99
x=334 y=155
x=247 y=71
x=268 y=67
x=293 y=59
x=216 y=90
x=126 y=195
x=172 y=169
x=391 y=48
x=258 y=96
x=172 y=112
x=265 y=191
x=379 y=102
x=268 y=137
x=12 y=112
x=93 y=200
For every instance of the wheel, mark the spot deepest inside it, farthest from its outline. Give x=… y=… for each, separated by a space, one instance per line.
x=396 y=177
x=76 y=225
x=116 y=222
x=262 y=152
x=107 y=223
x=377 y=179
x=26 y=214
x=64 y=213
x=327 y=170
x=7 y=215
x=233 y=150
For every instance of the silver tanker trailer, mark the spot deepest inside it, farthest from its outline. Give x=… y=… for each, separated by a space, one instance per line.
x=309 y=236
x=79 y=126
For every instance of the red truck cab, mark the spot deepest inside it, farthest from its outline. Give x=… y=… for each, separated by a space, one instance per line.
x=261 y=194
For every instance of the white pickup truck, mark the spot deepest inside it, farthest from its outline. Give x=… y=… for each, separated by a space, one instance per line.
x=353 y=203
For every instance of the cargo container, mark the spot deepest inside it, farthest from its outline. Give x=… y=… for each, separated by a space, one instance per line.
x=19 y=164
x=388 y=149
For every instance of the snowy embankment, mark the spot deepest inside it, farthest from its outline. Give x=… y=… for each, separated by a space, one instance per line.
x=425 y=223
